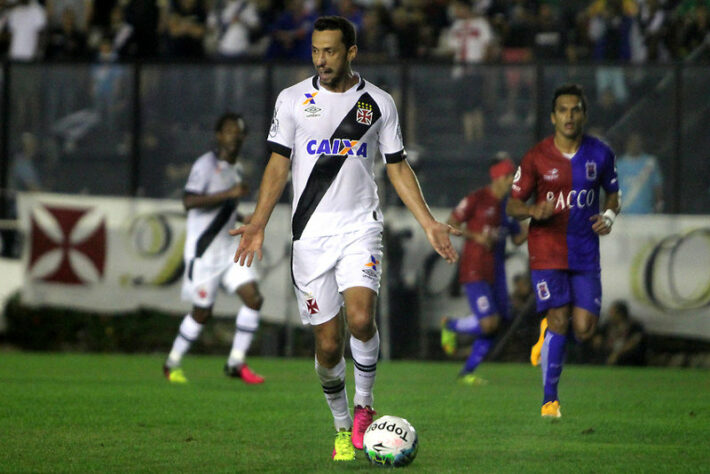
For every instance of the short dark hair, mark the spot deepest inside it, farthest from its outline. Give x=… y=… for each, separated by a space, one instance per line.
x=329 y=23
x=570 y=89
x=622 y=308
x=230 y=117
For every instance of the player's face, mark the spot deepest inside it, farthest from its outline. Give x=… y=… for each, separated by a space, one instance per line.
x=330 y=57
x=230 y=138
x=569 y=116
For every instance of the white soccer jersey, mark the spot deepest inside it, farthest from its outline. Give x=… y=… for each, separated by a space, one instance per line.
x=332 y=139
x=208 y=228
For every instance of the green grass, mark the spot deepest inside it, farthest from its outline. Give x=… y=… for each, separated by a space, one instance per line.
x=116 y=413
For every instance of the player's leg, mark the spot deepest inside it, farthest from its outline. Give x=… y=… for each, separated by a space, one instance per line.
x=587 y=300
x=358 y=274
x=467 y=325
x=365 y=349
x=483 y=323
x=553 y=296
x=330 y=367
x=320 y=304
x=246 y=325
x=190 y=329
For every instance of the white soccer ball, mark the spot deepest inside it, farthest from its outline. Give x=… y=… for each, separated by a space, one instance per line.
x=390 y=441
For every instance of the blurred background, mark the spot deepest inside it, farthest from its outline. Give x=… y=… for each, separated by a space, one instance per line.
x=107 y=103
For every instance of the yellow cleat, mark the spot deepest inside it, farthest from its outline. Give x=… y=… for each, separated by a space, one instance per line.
x=537 y=348
x=448 y=338
x=344 y=449
x=472 y=380
x=174 y=375
x=551 y=410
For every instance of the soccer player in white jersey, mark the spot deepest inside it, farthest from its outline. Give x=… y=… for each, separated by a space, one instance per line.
x=327 y=130
x=211 y=196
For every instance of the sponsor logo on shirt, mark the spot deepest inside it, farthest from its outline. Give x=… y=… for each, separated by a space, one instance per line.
x=551 y=175
x=310 y=98
x=579 y=199
x=337 y=146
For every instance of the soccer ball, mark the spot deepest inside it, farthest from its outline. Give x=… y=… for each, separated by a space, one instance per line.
x=390 y=441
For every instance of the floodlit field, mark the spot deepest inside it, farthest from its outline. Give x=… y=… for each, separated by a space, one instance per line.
x=116 y=413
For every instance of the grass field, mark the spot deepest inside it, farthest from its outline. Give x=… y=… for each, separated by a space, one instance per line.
x=116 y=413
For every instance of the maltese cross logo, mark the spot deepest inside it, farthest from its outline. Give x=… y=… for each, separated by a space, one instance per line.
x=312 y=305
x=67 y=245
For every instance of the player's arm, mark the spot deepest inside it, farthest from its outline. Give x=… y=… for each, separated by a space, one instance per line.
x=601 y=223
x=405 y=183
x=520 y=210
x=192 y=200
x=272 y=186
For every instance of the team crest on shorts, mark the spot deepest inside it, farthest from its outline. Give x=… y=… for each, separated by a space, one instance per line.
x=364 y=113
x=591 y=170
x=312 y=306
x=543 y=292
x=483 y=304
x=201 y=292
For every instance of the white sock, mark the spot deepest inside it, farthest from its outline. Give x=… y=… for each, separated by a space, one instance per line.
x=333 y=383
x=247 y=324
x=365 y=361
x=187 y=334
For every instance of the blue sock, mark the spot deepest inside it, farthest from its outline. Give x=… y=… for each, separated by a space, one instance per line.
x=478 y=352
x=553 y=354
x=467 y=325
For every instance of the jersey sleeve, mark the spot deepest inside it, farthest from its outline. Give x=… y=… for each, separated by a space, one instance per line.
x=524 y=180
x=390 y=142
x=198 y=179
x=609 y=178
x=282 y=132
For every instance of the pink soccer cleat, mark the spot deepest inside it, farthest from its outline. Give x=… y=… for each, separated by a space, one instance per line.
x=362 y=419
x=244 y=373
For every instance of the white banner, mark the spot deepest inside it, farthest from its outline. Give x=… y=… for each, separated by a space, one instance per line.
x=118 y=254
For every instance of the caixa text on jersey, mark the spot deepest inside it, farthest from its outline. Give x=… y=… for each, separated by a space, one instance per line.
x=337 y=146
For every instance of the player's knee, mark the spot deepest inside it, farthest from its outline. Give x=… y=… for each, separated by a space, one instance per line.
x=361 y=324
x=490 y=324
x=254 y=301
x=201 y=315
x=329 y=352
x=584 y=332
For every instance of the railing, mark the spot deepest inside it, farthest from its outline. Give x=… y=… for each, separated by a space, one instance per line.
x=135 y=128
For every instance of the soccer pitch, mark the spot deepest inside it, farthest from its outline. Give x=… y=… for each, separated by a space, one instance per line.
x=116 y=413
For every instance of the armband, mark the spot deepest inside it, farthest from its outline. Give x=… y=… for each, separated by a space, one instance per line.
x=609 y=216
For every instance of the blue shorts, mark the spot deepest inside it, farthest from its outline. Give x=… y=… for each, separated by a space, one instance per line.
x=557 y=288
x=480 y=299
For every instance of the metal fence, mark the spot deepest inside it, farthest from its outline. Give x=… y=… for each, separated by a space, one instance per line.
x=133 y=129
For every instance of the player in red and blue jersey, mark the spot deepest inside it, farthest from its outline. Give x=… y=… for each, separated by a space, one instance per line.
x=482 y=269
x=564 y=174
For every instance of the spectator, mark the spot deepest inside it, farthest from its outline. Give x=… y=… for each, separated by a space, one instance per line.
x=233 y=23
x=694 y=30
x=470 y=40
x=26 y=22
x=291 y=33
x=146 y=20
x=522 y=295
x=376 y=42
x=24 y=175
x=640 y=179
x=186 y=29
x=67 y=40
x=653 y=29
x=549 y=38
x=621 y=341
x=56 y=9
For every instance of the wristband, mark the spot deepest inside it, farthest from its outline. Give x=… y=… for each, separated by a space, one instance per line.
x=609 y=217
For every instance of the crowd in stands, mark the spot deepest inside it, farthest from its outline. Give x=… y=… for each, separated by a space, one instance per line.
x=505 y=31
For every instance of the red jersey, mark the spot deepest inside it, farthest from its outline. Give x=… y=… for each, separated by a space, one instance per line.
x=566 y=240
x=481 y=211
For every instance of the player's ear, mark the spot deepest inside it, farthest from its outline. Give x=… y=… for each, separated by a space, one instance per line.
x=352 y=52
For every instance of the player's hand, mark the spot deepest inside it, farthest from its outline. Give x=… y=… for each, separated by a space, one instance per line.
x=250 y=243
x=600 y=225
x=247 y=218
x=438 y=235
x=542 y=210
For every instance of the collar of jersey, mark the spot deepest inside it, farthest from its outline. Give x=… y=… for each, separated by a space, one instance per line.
x=359 y=86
